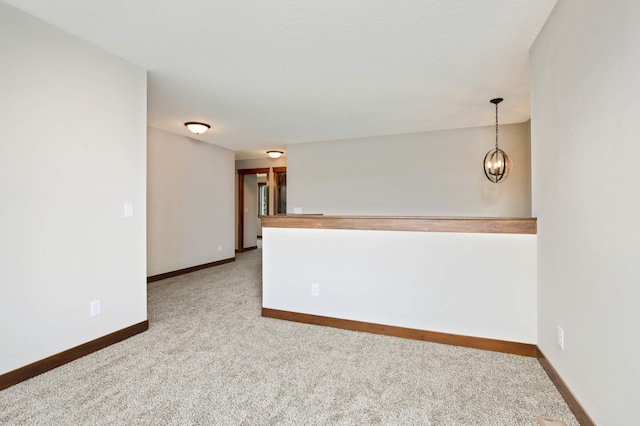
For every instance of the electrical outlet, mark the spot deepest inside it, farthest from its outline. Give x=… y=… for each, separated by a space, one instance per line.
x=560 y=337
x=96 y=308
x=219 y=248
x=315 y=289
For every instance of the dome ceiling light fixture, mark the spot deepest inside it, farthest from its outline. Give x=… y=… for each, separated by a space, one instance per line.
x=497 y=165
x=275 y=154
x=196 y=127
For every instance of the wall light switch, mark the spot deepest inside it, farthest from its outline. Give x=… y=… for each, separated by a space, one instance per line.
x=128 y=210
x=96 y=308
x=560 y=337
x=219 y=248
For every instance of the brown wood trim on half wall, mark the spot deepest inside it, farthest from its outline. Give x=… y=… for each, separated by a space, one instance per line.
x=580 y=413
x=486 y=225
x=28 y=371
x=187 y=270
x=515 y=348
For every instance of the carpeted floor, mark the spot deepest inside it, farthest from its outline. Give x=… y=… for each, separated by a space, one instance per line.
x=210 y=359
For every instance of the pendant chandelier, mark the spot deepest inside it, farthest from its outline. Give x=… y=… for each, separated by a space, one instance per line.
x=497 y=164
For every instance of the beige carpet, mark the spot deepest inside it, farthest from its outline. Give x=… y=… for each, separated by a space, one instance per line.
x=210 y=359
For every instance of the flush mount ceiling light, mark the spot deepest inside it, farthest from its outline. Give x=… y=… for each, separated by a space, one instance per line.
x=496 y=164
x=275 y=154
x=197 y=128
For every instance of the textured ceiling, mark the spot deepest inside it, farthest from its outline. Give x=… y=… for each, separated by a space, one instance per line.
x=269 y=73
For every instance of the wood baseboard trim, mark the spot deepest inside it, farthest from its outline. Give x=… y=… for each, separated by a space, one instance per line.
x=515 y=348
x=187 y=270
x=578 y=411
x=34 y=369
x=247 y=249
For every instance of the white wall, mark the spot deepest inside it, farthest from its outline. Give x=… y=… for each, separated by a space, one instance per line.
x=72 y=152
x=421 y=174
x=191 y=199
x=585 y=71
x=256 y=163
x=481 y=285
x=250 y=233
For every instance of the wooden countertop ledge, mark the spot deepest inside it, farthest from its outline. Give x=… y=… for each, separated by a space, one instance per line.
x=491 y=225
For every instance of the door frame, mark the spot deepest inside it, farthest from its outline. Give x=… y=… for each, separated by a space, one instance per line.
x=276 y=187
x=241 y=173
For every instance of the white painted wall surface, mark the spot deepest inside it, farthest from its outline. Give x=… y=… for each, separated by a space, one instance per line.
x=256 y=163
x=480 y=285
x=585 y=78
x=191 y=199
x=250 y=211
x=72 y=153
x=421 y=174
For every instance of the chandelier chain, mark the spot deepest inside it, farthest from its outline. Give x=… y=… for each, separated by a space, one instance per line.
x=496 y=127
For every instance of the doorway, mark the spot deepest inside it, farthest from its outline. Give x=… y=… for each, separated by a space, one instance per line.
x=252 y=195
x=247 y=209
x=280 y=190
x=263 y=201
